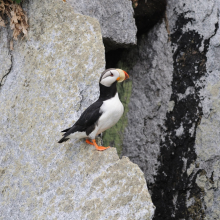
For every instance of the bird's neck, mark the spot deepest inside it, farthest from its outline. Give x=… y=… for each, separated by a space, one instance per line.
x=107 y=92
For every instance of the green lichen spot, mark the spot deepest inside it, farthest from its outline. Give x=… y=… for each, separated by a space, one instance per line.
x=114 y=136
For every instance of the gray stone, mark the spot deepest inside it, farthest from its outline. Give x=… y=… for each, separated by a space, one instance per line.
x=204 y=170
x=53 y=78
x=151 y=75
x=115 y=17
x=208 y=134
x=176 y=142
x=5 y=56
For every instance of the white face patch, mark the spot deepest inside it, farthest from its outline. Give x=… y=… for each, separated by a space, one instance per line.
x=109 y=78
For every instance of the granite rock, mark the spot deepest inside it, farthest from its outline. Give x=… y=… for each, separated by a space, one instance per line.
x=151 y=75
x=116 y=19
x=172 y=128
x=207 y=145
x=190 y=149
x=52 y=77
x=5 y=56
x=148 y=13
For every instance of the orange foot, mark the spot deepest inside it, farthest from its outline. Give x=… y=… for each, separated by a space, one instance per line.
x=100 y=148
x=89 y=142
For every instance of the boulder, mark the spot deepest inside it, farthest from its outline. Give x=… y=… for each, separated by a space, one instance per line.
x=172 y=127
x=116 y=19
x=52 y=77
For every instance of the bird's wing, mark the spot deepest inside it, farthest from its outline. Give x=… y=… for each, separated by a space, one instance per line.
x=90 y=116
x=87 y=120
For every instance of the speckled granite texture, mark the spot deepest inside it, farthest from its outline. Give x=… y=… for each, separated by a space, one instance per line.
x=116 y=19
x=52 y=77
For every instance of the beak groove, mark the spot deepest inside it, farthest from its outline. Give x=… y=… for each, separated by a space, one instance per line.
x=126 y=75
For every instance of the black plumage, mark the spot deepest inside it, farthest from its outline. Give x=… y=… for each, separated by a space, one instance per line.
x=89 y=118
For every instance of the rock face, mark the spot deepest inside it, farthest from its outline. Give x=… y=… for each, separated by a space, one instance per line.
x=189 y=171
x=4 y=55
x=206 y=168
x=151 y=72
x=49 y=80
x=68 y=186
x=115 y=17
x=173 y=116
x=148 y=13
x=150 y=69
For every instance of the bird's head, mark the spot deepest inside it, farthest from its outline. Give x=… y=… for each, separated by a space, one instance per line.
x=110 y=76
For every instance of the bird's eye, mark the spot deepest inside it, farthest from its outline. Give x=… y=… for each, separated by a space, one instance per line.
x=112 y=74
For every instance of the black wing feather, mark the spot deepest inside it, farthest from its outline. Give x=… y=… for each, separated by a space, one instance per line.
x=64 y=139
x=86 y=122
x=66 y=130
x=91 y=115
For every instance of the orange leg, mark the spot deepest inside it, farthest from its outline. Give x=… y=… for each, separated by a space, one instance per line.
x=89 y=142
x=99 y=147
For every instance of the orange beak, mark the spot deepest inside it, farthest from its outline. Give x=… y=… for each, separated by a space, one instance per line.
x=126 y=75
x=122 y=75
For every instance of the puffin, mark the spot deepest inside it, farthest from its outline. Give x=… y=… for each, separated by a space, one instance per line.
x=102 y=114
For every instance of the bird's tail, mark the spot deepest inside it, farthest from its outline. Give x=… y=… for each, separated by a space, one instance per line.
x=64 y=139
x=68 y=132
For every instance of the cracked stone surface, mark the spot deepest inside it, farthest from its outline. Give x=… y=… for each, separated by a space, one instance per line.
x=5 y=57
x=116 y=19
x=54 y=78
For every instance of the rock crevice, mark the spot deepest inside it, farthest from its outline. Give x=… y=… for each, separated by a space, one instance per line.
x=6 y=58
x=116 y=19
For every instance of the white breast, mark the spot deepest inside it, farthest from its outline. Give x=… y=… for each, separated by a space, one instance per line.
x=112 y=110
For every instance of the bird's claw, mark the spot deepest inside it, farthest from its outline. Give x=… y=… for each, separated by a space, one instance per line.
x=101 y=148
